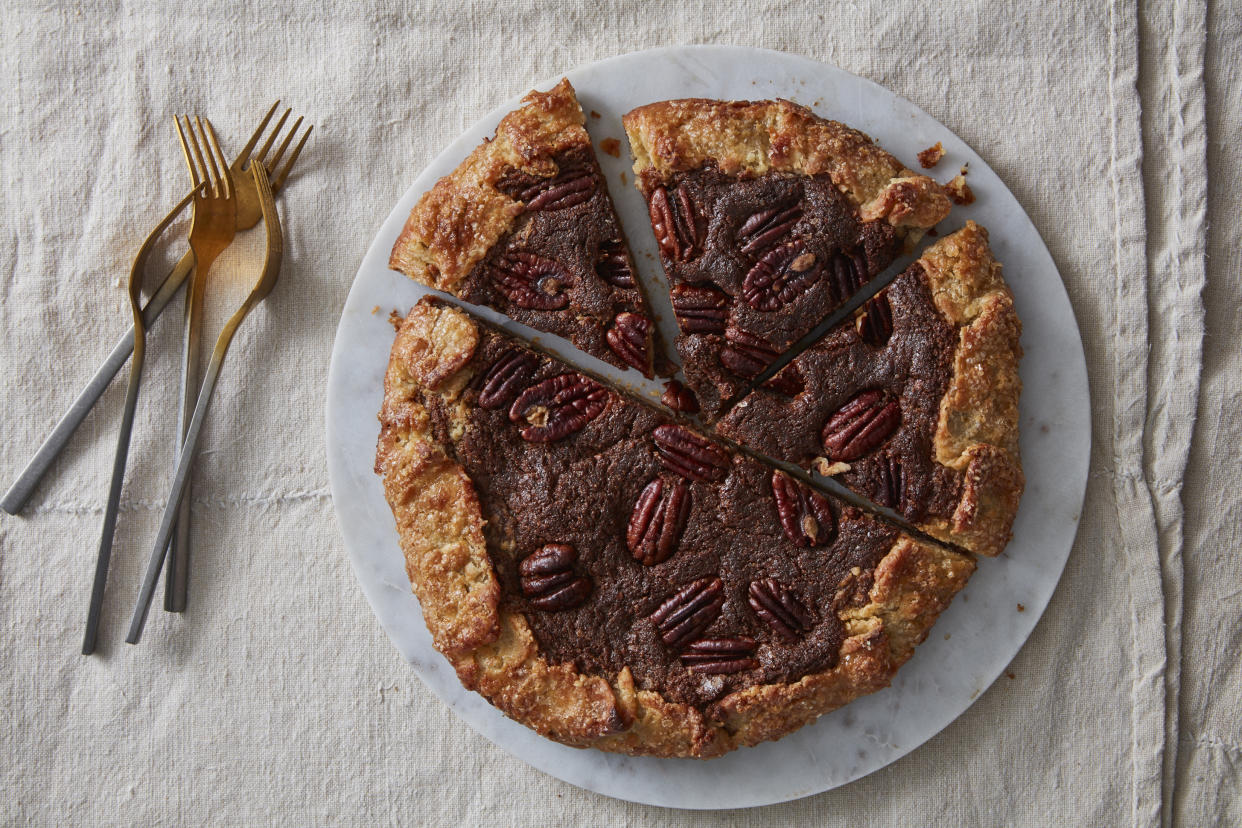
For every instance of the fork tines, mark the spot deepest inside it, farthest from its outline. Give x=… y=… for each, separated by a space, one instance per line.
x=204 y=170
x=278 y=178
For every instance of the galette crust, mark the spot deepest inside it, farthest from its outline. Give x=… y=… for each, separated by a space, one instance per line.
x=751 y=138
x=440 y=525
x=977 y=433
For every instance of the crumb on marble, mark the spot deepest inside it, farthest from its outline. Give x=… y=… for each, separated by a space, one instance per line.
x=959 y=191
x=931 y=156
x=611 y=146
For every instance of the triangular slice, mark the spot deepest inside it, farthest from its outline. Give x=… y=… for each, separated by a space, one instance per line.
x=525 y=225
x=614 y=579
x=914 y=401
x=767 y=219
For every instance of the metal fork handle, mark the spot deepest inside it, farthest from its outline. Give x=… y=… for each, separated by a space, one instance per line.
x=185 y=459
x=127 y=426
x=271 y=270
x=114 y=502
x=17 y=495
x=177 y=583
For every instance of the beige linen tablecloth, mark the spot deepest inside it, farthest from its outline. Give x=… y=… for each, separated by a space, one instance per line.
x=278 y=699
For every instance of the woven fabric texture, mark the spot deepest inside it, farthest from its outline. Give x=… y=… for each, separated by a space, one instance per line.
x=277 y=699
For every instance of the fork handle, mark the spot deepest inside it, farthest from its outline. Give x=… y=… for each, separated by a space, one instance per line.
x=17 y=495
x=113 y=506
x=176 y=584
x=185 y=459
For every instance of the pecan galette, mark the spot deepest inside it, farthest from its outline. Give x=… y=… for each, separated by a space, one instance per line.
x=615 y=575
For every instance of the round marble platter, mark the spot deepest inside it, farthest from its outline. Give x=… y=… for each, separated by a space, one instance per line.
x=974 y=640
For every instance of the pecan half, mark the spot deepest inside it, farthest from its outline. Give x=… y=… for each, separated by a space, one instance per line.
x=805 y=514
x=613 y=265
x=745 y=353
x=505 y=379
x=658 y=519
x=679 y=398
x=890 y=482
x=530 y=281
x=677 y=229
x=558 y=406
x=875 y=323
x=630 y=339
x=692 y=456
x=719 y=656
x=779 y=606
x=860 y=426
x=767 y=227
x=572 y=185
x=781 y=276
x=548 y=579
x=700 y=309
x=848 y=273
x=691 y=610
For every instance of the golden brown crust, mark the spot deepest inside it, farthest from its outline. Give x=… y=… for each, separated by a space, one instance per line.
x=435 y=345
x=756 y=137
x=440 y=524
x=977 y=433
x=436 y=509
x=911 y=587
x=458 y=220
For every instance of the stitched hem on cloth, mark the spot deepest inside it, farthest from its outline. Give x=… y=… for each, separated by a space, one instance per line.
x=1135 y=512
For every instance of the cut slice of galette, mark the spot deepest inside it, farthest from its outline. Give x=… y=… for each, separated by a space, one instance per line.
x=913 y=402
x=613 y=578
x=525 y=225
x=767 y=218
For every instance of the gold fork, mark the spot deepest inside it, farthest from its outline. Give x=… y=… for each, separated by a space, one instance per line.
x=215 y=221
x=250 y=209
x=211 y=231
x=127 y=424
x=248 y=213
x=262 y=287
x=247 y=216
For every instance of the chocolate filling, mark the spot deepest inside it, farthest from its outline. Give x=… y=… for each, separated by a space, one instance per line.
x=581 y=490
x=785 y=250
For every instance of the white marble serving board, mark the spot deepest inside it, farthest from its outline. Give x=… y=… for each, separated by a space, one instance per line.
x=975 y=638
